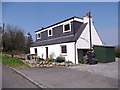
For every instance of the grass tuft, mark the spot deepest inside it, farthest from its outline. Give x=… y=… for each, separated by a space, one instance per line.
x=12 y=62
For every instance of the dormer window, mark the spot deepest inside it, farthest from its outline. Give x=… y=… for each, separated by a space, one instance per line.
x=49 y=32
x=66 y=27
x=39 y=36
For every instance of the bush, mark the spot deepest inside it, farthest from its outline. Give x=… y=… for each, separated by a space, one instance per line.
x=60 y=59
x=41 y=59
x=51 y=60
x=117 y=52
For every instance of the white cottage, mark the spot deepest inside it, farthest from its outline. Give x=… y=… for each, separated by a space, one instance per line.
x=65 y=39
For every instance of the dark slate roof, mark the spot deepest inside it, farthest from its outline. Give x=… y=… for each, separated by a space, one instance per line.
x=79 y=32
x=65 y=39
x=58 y=23
x=54 y=41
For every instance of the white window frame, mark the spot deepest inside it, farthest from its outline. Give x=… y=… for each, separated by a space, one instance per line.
x=40 y=35
x=64 y=27
x=51 y=32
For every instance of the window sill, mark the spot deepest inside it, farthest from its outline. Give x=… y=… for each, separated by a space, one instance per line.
x=49 y=35
x=38 y=38
x=63 y=54
x=66 y=31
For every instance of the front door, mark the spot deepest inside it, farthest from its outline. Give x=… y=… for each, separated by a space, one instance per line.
x=46 y=52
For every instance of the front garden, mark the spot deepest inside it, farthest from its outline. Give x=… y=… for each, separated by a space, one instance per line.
x=23 y=61
x=12 y=62
x=34 y=61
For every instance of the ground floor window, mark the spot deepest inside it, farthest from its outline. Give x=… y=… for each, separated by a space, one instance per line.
x=64 y=49
x=35 y=50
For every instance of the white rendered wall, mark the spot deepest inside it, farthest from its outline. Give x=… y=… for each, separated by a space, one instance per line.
x=56 y=49
x=32 y=51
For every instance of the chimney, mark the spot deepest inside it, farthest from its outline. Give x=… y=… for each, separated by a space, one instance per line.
x=86 y=18
x=87 y=14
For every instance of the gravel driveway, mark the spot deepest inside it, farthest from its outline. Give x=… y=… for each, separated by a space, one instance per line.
x=91 y=76
x=105 y=69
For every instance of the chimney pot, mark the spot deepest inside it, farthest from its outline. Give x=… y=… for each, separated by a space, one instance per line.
x=87 y=14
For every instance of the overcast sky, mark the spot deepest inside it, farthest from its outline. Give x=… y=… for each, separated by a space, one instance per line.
x=33 y=16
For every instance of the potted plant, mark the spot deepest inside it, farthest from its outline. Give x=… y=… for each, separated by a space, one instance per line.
x=60 y=59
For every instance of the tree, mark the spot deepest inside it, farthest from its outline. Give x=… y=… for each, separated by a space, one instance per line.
x=13 y=39
x=117 y=52
x=29 y=42
x=0 y=28
x=0 y=38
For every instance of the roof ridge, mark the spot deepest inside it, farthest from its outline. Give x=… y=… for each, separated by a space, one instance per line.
x=58 y=23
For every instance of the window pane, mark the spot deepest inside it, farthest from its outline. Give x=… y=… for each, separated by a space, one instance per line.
x=50 y=32
x=67 y=27
x=63 y=49
x=38 y=35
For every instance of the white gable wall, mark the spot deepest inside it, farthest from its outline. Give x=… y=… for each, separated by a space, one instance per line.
x=84 y=40
x=56 y=49
x=96 y=40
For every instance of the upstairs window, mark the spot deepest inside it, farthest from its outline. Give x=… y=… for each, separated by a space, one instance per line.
x=35 y=50
x=66 y=28
x=49 y=32
x=64 y=49
x=38 y=35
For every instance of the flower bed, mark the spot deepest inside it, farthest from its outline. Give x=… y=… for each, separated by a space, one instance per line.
x=47 y=63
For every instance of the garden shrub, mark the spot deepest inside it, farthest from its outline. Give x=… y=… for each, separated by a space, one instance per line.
x=60 y=59
x=117 y=52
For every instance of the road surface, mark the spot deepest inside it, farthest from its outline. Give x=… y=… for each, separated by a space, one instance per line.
x=10 y=79
x=0 y=75
x=69 y=78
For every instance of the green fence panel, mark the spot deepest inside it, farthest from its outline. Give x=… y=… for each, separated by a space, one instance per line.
x=104 y=54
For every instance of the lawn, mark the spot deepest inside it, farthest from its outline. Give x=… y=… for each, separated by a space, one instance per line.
x=12 y=62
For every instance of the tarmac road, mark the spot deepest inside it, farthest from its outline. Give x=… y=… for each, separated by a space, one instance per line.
x=10 y=79
x=0 y=75
x=69 y=78
x=61 y=77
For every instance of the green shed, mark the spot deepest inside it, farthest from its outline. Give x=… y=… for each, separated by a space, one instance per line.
x=104 y=54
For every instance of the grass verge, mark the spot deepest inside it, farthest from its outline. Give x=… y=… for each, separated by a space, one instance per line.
x=12 y=62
